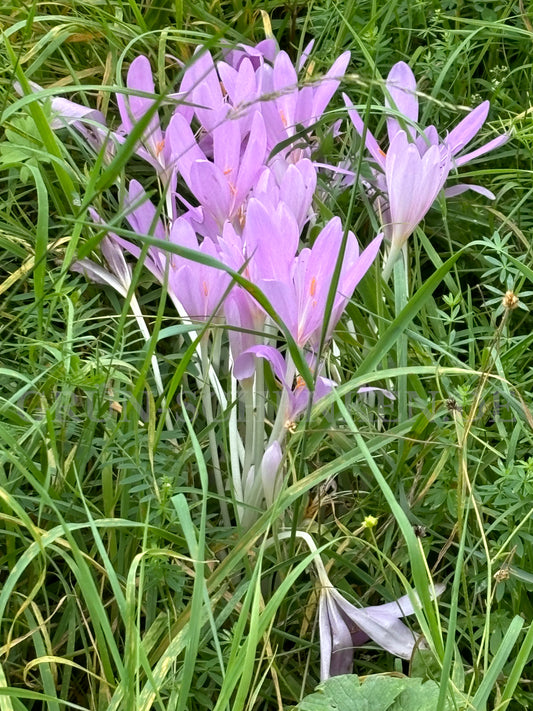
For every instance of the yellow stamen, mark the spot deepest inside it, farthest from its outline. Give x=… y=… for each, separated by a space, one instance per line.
x=159 y=147
x=300 y=383
x=205 y=288
x=312 y=287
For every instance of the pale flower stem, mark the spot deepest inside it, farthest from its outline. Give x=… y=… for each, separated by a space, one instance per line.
x=235 y=445
x=278 y=430
x=401 y=297
x=249 y=425
x=143 y=328
x=259 y=415
x=216 y=348
x=325 y=582
x=390 y=259
x=208 y=412
x=211 y=375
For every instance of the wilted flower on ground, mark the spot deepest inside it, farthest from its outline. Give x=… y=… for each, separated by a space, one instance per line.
x=343 y=626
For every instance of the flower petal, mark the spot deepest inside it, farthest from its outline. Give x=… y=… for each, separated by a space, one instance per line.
x=463 y=187
x=269 y=472
x=328 y=86
x=242 y=369
x=466 y=129
x=336 y=648
x=490 y=146
x=401 y=96
x=132 y=107
x=383 y=628
x=370 y=142
x=210 y=186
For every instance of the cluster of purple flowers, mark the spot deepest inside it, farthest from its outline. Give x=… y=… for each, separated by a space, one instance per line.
x=235 y=162
x=242 y=208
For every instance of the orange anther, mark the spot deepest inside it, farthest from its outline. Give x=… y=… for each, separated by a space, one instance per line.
x=300 y=383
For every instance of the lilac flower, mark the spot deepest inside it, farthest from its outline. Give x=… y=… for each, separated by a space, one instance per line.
x=266 y=49
x=295 y=389
x=408 y=178
x=132 y=108
x=292 y=106
x=196 y=287
x=117 y=275
x=89 y=122
x=202 y=88
x=300 y=299
x=199 y=288
x=240 y=85
x=343 y=626
x=294 y=184
x=296 y=286
x=270 y=465
x=221 y=185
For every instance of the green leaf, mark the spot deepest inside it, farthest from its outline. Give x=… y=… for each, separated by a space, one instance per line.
x=374 y=693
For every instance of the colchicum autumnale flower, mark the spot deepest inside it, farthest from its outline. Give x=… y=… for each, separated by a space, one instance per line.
x=342 y=626
x=409 y=176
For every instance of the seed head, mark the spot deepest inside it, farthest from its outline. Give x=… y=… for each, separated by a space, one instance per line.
x=510 y=301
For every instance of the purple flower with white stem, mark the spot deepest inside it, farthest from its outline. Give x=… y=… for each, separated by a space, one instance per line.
x=221 y=185
x=293 y=183
x=133 y=107
x=198 y=288
x=409 y=176
x=118 y=274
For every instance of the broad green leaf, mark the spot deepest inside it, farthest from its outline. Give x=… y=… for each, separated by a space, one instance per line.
x=373 y=693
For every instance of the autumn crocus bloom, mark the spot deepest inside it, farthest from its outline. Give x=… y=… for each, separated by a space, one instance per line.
x=410 y=175
x=194 y=287
x=300 y=300
x=221 y=184
x=342 y=626
x=133 y=107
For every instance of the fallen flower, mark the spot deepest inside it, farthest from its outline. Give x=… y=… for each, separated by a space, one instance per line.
x=342 y=626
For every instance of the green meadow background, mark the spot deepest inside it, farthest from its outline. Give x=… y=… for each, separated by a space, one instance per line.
x=121 y=588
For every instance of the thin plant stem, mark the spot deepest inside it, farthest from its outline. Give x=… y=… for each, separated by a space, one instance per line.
x=278 y=430
x=213 y=447
x=259 y=414
x=390 y=260
x=249 y=431
x=236 y=450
